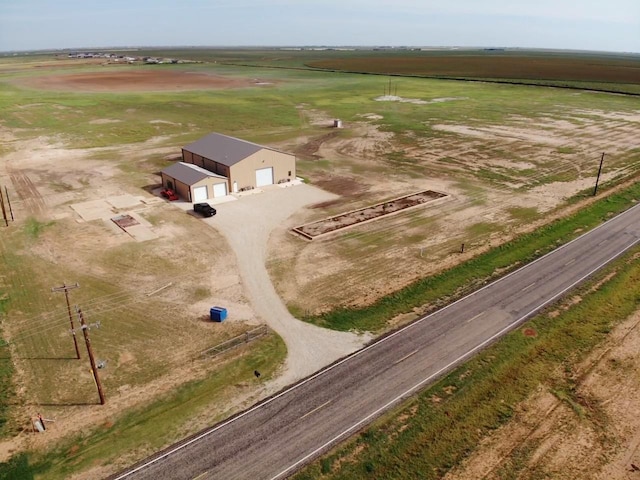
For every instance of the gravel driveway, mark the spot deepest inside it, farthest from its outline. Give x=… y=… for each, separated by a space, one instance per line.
x=247 y=224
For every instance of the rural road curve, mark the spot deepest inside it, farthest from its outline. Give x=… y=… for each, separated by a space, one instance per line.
x=274 y=438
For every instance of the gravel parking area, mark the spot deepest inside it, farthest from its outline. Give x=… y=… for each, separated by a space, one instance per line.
x=247 y=224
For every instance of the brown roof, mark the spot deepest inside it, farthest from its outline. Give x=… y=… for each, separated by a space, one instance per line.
x=187 y=173
x=223 y=149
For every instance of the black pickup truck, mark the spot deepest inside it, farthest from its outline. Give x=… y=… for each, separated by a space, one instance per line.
x=204 y=209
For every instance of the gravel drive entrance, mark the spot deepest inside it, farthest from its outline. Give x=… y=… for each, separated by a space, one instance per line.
x=247 y=225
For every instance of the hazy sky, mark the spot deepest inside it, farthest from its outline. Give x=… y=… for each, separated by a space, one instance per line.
x=611 y=25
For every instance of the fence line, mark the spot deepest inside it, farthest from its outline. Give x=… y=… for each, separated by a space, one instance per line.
x=234 y=342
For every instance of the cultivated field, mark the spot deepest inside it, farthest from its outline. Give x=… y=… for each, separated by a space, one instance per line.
x=82 y=142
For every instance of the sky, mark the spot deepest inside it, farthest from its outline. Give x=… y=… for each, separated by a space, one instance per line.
x=605 y=25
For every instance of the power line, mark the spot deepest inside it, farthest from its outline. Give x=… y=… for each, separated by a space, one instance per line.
x=65 y=288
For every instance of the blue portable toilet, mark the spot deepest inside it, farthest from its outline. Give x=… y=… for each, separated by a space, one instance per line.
x=218 y=314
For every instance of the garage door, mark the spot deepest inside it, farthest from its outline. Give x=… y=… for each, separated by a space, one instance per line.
x=219 y=189
x=199 y=194
x=264 y=176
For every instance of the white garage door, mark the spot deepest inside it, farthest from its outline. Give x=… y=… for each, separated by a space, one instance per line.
x=219 y=189
x=199 y=194
x=264 y=176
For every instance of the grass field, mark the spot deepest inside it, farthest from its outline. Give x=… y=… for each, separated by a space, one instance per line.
x=508 y=155
x=590 y=70
x=125 y=437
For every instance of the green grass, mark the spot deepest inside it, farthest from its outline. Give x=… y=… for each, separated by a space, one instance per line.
x=565 y=150
x=6 y=372
x=481 y=229
x=139 y=432
x=434 y=431
x=17 y=468
x=523 y=214
x=33 y=228
x=444 y=287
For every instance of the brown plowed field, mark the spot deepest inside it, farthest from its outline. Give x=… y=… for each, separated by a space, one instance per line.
x=583 y=69
x=146 y=80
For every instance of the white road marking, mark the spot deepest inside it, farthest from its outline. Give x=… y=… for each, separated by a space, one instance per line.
x=406 y=356
x=570 y=262
x=528 y=287
x=380 y=342
x=201 y=475
x=316 y=409
x=458 y=360
x=476 y=316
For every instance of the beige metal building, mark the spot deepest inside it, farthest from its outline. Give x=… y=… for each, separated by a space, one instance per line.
x=193 y=183
x=244 y=164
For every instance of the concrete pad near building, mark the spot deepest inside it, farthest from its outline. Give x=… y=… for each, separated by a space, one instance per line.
x=93 y=210
x=124 y=201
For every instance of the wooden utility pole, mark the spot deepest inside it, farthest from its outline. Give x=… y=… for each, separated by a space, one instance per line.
x=85 y=330
x=4 y=212
x=8 y=202
x=65 y=288
x=595 y=190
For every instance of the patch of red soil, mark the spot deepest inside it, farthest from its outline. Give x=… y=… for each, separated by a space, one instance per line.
x=530 y=332
x=150 y=79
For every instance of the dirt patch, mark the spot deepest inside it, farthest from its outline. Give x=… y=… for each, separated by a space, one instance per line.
x=498 y=176
x=310 y=149
x=548 y=439
x=134 y=80
x=373 y=212
x=340 y=185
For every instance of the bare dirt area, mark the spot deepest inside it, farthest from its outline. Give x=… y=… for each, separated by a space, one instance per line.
x=150 y=290
x=598 y=439
x=500 y=180
x=154 y=79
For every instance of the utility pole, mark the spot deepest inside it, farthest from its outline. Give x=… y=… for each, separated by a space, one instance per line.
x=4 y=212
x=8 y=202
x=65 y=288
x=85 y=330
x=595 y=190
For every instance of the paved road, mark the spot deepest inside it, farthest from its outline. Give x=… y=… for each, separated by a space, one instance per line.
x=273 y=439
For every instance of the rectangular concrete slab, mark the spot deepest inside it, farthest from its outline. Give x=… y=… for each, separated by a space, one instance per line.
x=124 y=201
x=93 y=210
